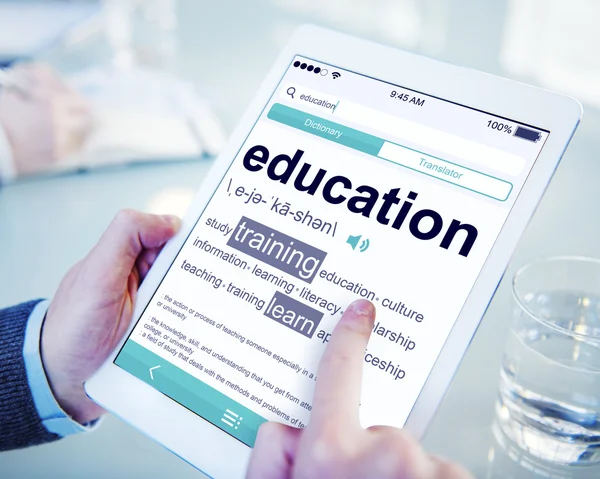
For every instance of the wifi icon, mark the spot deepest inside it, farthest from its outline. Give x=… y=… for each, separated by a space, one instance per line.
x=336 y=75
x=354 y=242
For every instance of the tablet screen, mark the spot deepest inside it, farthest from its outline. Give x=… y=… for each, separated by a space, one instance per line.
x=346 y=187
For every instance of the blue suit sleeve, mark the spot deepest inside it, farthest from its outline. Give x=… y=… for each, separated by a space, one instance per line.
x=21 y=425
x=19 y=421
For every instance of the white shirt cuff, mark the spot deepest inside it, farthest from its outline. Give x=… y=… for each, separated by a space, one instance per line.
x=53 y=418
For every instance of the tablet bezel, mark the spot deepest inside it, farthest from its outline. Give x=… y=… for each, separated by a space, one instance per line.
x=214 y=451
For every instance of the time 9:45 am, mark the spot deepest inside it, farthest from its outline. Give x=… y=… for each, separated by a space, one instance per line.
x=410 y=99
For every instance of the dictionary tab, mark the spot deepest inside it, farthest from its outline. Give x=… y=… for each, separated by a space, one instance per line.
x=329 y=130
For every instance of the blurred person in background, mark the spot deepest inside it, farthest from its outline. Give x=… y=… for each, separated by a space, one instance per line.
x=42 y=120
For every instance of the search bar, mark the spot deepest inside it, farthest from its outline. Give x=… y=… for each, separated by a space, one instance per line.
x=448 y=143
x=316 y=99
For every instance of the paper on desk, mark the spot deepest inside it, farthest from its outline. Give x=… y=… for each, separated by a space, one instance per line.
x=144 y=115
x=122 y=136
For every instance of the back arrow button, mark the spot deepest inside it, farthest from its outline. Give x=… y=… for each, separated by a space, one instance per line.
x=152 y=369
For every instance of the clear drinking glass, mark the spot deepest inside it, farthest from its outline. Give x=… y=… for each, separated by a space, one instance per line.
x=549 y=401
x=506 y=460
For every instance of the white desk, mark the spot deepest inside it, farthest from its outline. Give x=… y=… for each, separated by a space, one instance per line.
x=48 y=224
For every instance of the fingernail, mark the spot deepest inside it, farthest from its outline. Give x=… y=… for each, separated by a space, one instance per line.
x=362 y=307
x=172 y=220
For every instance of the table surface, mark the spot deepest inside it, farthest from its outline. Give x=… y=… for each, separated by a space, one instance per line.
x=47 y=224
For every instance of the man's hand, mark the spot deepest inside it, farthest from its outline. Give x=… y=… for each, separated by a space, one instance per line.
x=94 y=304
x=45 y=122
x=334 y=444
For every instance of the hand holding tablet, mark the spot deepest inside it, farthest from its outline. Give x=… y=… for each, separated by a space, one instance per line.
x=93 y=308
x=335 y=444
x=93 y=305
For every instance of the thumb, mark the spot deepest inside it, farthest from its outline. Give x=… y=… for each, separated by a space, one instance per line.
x=274 y=451
x=127 y=236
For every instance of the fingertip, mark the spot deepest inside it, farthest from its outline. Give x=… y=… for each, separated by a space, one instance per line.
x=173 y=221
x=155 y=230
x=360 y=314
x=363 y=307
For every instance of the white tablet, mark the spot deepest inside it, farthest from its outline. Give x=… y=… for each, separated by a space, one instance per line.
x=359 y=171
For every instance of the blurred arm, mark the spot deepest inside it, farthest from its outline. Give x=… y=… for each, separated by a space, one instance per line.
x=42 y=119
x=7 y=165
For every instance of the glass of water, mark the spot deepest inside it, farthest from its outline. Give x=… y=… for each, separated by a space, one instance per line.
x=549 y=401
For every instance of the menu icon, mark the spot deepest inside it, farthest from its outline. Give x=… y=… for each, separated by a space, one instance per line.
x=231 y=419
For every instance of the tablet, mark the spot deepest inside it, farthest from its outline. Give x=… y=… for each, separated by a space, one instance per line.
x=359 y=171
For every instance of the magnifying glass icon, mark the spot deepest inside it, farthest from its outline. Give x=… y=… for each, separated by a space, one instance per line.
x=290 y=91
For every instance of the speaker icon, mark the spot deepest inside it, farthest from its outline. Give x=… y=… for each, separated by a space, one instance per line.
x=355 y=240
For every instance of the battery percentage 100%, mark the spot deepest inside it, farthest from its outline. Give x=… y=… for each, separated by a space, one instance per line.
x=503 y=127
